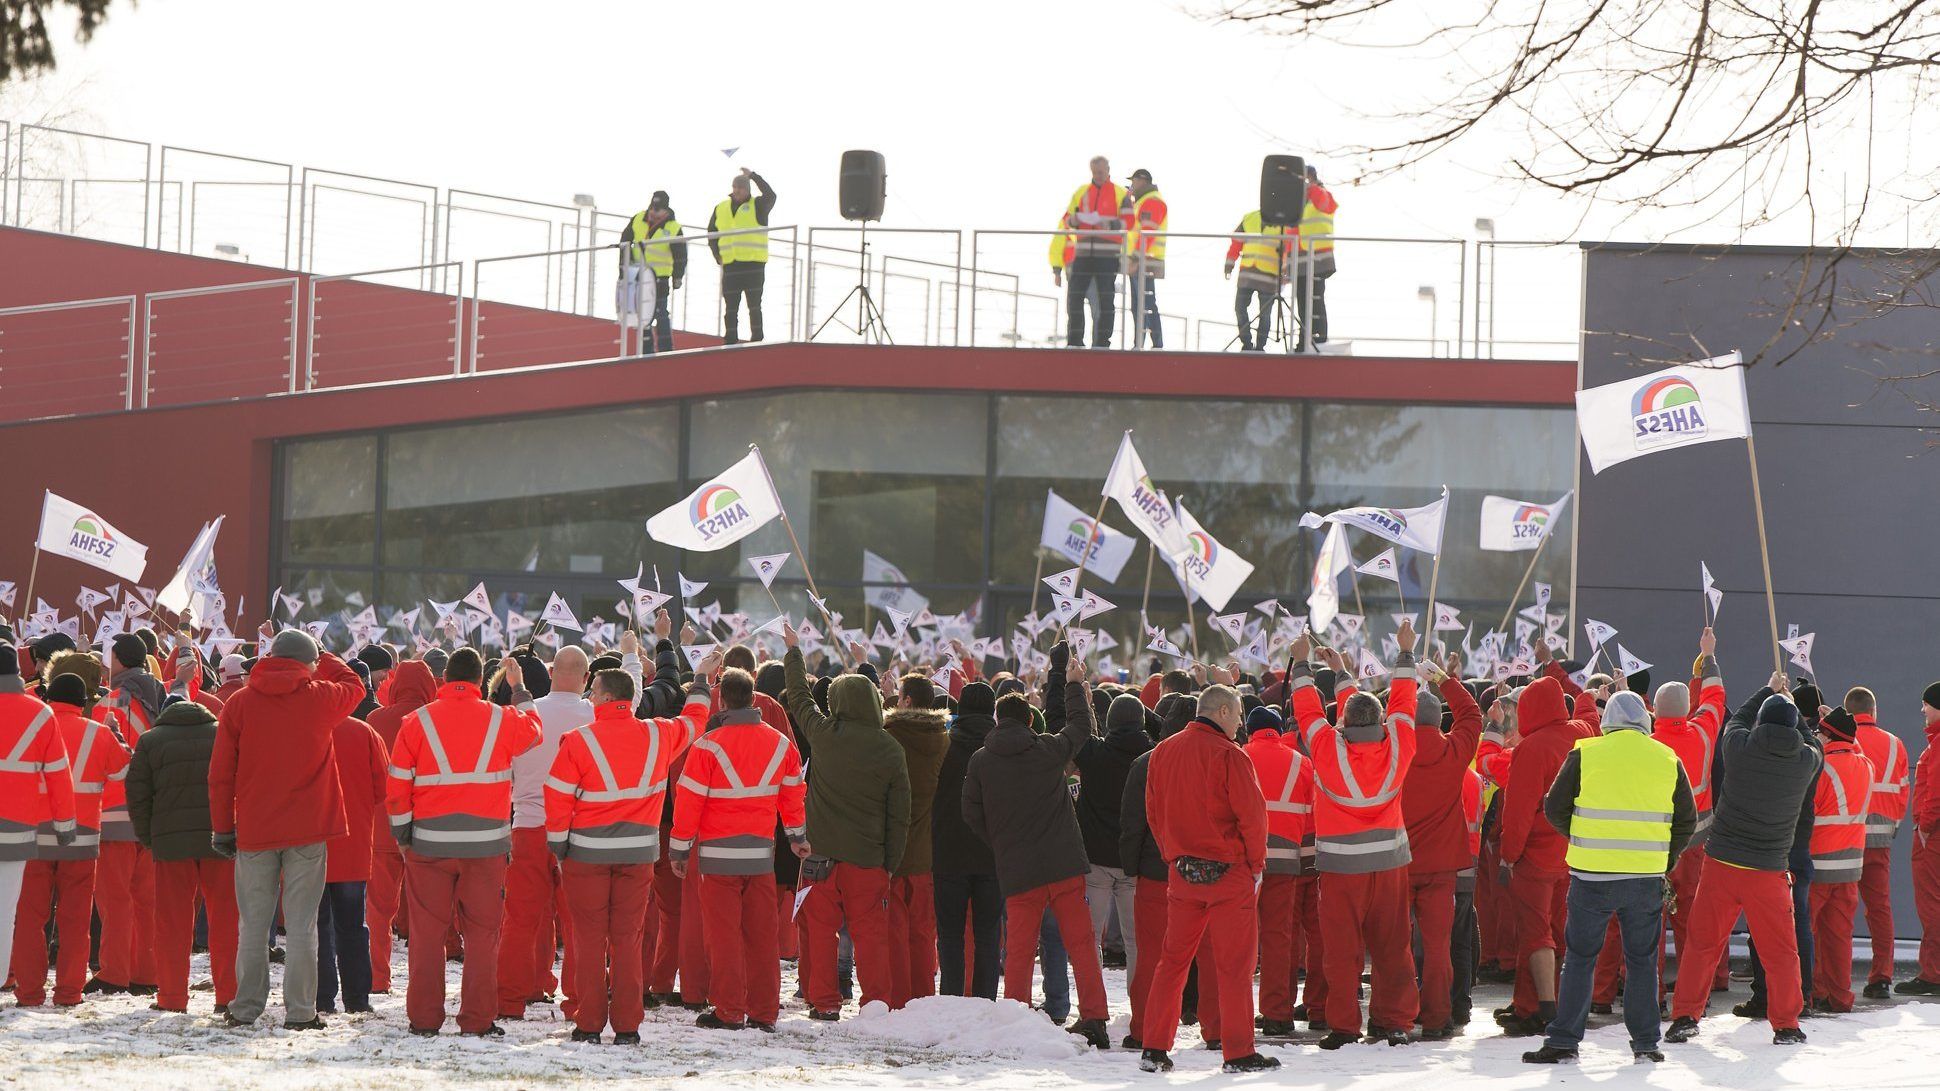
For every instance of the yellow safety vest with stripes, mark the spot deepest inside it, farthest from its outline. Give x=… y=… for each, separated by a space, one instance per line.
x=752 y=246
x=1622 y=823
x=656 y=256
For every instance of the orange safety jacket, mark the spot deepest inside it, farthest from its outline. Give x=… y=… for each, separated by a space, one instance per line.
x=1359 y=826
x=1472 y=817
x=1287 y=781
x=741 y=779
x=608 y=783
x=451 y=774
x=34 y=782
x=1093 y=208
x=125 y=726
x=1839 y=814
x=1891 y=780
x=97 y=760
x=1694 y=739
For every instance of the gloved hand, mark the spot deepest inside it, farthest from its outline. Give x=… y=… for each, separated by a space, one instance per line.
x=224 y=844
x=1060 y=655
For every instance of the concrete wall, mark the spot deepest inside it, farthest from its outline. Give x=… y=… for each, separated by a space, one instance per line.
x=1851 y=483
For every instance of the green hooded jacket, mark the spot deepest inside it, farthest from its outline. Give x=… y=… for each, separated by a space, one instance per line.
x=858 y=782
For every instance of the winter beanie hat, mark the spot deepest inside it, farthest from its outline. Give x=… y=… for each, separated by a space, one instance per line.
x=1265 y=717
x=130 y=651
x=977 y=699
x=1626 y=710
x=1931 y=697
x=1839 y=725
x=1779 y=709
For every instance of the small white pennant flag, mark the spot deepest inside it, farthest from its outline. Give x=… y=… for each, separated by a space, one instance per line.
x=1233 y=625
x=559 y=615
x=898 y=619
x=516 y=624
x=695 y=653
x=1065 y=608
x=646 y=601
x=89 y=598
x=1063 y=583
x=1350 y=623
x=768 y=566
x=1383 y=565
x=1165 y=647
x=1412 y=619
x=292 y=603
x=1447 y=618
x=689 y=588
x=1542 y=596
x=478 y=600
x=1092 y=605
x=1271 y=608
x=1630 y=664
x=1369 y=666
x=1598 y=632
x=1080 y=641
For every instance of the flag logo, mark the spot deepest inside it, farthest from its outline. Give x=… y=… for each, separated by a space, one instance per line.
x=1201 y=554
x=90 y=534
x=1146 y=496
x=1530 y=521
x=1666 y=410
x=717 y=508
x=1079 y=540
x=1389 y=519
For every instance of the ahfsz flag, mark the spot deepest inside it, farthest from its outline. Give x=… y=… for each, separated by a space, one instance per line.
x=722 y=511
x=1067 y=530
x=1415 y=528
x=1211 y=569
x=1700 y=402
x=1509 y=525
x=70 y=530
x=1144 y=503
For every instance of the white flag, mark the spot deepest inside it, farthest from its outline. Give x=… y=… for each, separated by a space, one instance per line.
x=898 y=619
x=1413 y=619
x=1165 y=647
x=1711 y=591
x=1543 y=591
x=1063 y=583
x=1065 y=608
x=768 y=566
x=1093 y=606
x=1269 y=607
x=1211 y=569
x=1447 y=618
x=689 y=588
x=1067 y=530
x=1630 y=664
x=559 y=614
x=292 y=603
x=1518 y=524
x=885 y=586
x=1415 y=528
x=1351 y=623
x=88 y=598
x=1369 y=666
x=195 y=564
x=721 y=512
x=1691 y=403
x=72 y=531
x=1233 y=625
x=1799 y=646
x=1382 y=564
x=695 y=653
x=1598 y=632
x=1144 y=503
x=1079 y=641
x=478 y=600
x=7 y=592
x=1323 y=590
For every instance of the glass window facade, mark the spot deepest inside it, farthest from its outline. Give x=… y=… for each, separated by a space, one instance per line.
x=949 y=488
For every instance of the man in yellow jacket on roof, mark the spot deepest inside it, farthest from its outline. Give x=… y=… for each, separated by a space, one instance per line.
x=1085 y=255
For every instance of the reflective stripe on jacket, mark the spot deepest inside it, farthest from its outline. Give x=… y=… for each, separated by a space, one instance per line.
x=741 y=779
x=34 y=776
x=1359 y=826
x=1621 y=822
x=608 y=784
x=752 y=246
x=1287 y=782
x=451 y=774
x=1839 y=814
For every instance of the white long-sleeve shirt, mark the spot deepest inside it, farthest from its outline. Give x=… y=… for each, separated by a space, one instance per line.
x=558 y=714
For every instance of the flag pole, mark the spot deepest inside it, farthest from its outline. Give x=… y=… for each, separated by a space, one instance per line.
x=33 y=573
x=1764 y=555
x=1037 y=581
x=1354 y=580
x=1145 y=600
x=1434 y=577
x=1526 y=573
x=796 y=542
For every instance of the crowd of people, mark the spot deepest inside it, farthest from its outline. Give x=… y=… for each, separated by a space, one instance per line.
x=626 y=830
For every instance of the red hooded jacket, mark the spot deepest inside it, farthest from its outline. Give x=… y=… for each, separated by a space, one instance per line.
x=1548 y=736
x=362 y=762
x=411 y=687
x=272 y=777
x=1926 y=786
x=1431 y=797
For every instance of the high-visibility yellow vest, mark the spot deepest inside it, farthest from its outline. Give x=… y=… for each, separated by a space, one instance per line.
x=1316 y=231
x=1149 y=237
x=656 y=256
x=1622 y=823
x=749 y=247
x=1260 y=255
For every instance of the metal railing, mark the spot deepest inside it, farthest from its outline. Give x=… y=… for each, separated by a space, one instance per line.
x=244 y=341
x=52 y=365
x=388 y=320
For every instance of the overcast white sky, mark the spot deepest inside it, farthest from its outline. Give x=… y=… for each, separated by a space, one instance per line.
x=987 y=112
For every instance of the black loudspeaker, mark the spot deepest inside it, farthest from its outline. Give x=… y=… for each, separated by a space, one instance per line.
x=865 y=184
x=1283 y=190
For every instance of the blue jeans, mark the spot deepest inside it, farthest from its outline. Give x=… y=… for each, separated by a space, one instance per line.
x=1149 y=310
x=343 y=948
x=977 y=899
x=1057 y=970
x=1638 y=905
x=1802 y=928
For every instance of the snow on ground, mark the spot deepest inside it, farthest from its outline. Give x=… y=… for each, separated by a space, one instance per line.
x=117 y=1042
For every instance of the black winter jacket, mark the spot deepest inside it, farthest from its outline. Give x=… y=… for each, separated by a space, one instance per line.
x=168 y=784
x=955 y=848
x=1014 y=797
x=1138 y=850
x=1103 y=765
x=1765 y=773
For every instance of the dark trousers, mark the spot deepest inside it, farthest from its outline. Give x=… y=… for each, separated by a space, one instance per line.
x=343 y=948
x=1095 y=288
x=1462 y=956
x=1316 y=323
x=659 y=335
x=1260 y=328
x=1147 y=288
x=977 y=900
x=1638 y=905
x=740 y=280
x=1801 y=928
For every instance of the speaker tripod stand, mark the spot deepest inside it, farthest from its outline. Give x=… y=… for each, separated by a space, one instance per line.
x=869 y=324
x=1279 y=326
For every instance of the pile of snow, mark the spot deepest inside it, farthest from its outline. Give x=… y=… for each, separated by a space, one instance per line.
x=966 y=1025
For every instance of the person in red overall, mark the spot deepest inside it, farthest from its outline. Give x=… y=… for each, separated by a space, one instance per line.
x=1361 y=845
x=1432 y=803
x=604 y=797
x=1925 y=812
x=739 y=781
x=1884 y=813
x=124 y=884
x=411 y=688
x=64 y=870
x=1533 y=850
x=35 y=786
x=1287 y=781
x=1838 y=856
